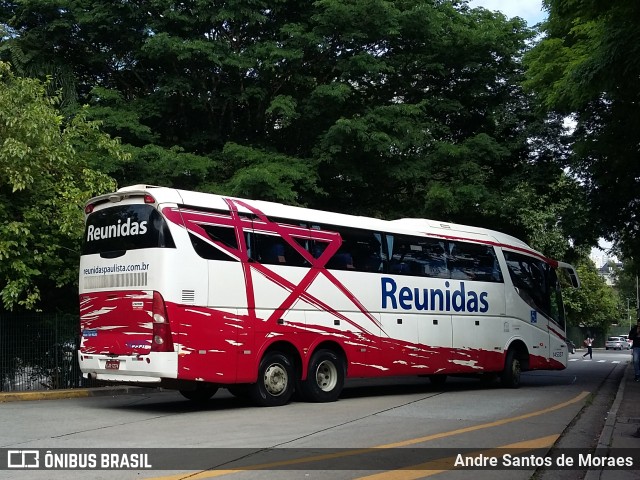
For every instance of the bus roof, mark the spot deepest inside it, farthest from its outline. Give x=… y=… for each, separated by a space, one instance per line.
x=273 y=209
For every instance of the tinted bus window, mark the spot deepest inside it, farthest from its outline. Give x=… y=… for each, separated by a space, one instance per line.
x=535 y=282
x=360 y=250
x=274 y=250
x=473 y=261
x=222 y=239
x=425 y=257
x=125 y=227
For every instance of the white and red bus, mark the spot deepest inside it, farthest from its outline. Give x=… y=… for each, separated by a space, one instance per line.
x=195 y=291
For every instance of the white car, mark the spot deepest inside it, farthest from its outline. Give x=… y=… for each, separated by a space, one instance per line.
x=616 y=343
x=626 y=337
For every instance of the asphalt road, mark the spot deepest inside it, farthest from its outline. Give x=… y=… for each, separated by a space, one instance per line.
x=408 y=422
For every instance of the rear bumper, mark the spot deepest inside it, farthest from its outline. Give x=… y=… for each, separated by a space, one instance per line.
x=150 y=368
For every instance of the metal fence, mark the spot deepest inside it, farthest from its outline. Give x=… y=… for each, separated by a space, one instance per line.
x=39 y=352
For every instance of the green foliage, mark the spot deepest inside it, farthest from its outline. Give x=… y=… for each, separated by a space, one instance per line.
x=626 y=283
x=388 y=109
x=594 y=304
x=44 y=182
x=587 y=66
x=271 y=176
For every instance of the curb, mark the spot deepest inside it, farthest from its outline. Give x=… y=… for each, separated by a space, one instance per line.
x=604 y=442
x=71 y=393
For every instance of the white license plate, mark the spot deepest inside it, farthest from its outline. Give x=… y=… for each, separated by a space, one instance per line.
x=112 y=365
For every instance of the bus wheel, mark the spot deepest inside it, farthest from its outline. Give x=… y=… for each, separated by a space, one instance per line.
x=325 y=378
x=510 y=376
x=275 y=381
x=201 y=394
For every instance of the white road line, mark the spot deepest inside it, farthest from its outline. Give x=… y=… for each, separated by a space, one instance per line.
x=589 y=360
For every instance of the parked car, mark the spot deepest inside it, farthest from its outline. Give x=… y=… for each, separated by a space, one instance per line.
x=616 y=343
x=626 y=337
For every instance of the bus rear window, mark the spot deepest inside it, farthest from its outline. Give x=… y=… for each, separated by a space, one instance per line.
x=125 y=227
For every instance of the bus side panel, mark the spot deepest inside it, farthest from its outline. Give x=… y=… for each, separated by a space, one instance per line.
x=361 y=346
x=398 y=346
x=536 y=334
x=116 y=322
x=558 y=347
x=539 y=342
x=208 y=346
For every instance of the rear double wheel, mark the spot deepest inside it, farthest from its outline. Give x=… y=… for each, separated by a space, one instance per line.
x=276 y=380
x=325 y=378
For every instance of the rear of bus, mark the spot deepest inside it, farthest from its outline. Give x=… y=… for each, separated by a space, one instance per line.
x=128 y=253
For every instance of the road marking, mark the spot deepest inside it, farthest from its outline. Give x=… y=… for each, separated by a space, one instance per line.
x=440 y=465
x=359 y=451
x=589 y=360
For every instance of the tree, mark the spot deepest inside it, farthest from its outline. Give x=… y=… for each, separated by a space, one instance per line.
x=387 y=109
x=594 y=304
x=586 y=67
x=626 y=284
x=44 y=182
x=403 y=108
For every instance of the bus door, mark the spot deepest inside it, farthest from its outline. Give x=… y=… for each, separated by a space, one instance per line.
x=538 y=303
x=564 y=276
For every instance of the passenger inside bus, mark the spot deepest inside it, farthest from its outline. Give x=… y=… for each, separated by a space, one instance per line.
x=274 y=254
x=341 y=261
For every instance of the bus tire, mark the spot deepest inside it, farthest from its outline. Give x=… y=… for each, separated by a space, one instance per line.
x=325 y=378
x=510 y=376
x=201 y=394
x=276 y=381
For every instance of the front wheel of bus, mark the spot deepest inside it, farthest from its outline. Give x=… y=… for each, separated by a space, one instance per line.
x=275 y=381
x=510 y=377
x=325 y=378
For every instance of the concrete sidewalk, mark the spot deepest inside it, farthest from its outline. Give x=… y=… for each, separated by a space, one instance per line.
x=622 y=427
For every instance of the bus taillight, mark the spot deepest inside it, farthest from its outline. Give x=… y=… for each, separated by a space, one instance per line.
x=161 y=331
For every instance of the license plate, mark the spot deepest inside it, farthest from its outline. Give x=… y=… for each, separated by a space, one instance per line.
x=112 y=365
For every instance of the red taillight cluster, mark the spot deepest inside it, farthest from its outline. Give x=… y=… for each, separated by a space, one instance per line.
x=161 y=341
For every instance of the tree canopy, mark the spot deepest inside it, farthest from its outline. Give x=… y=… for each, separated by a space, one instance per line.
x=404 y=108
x=594 y=304
x=376 y=107
x=587 y=66
x=44 y=182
